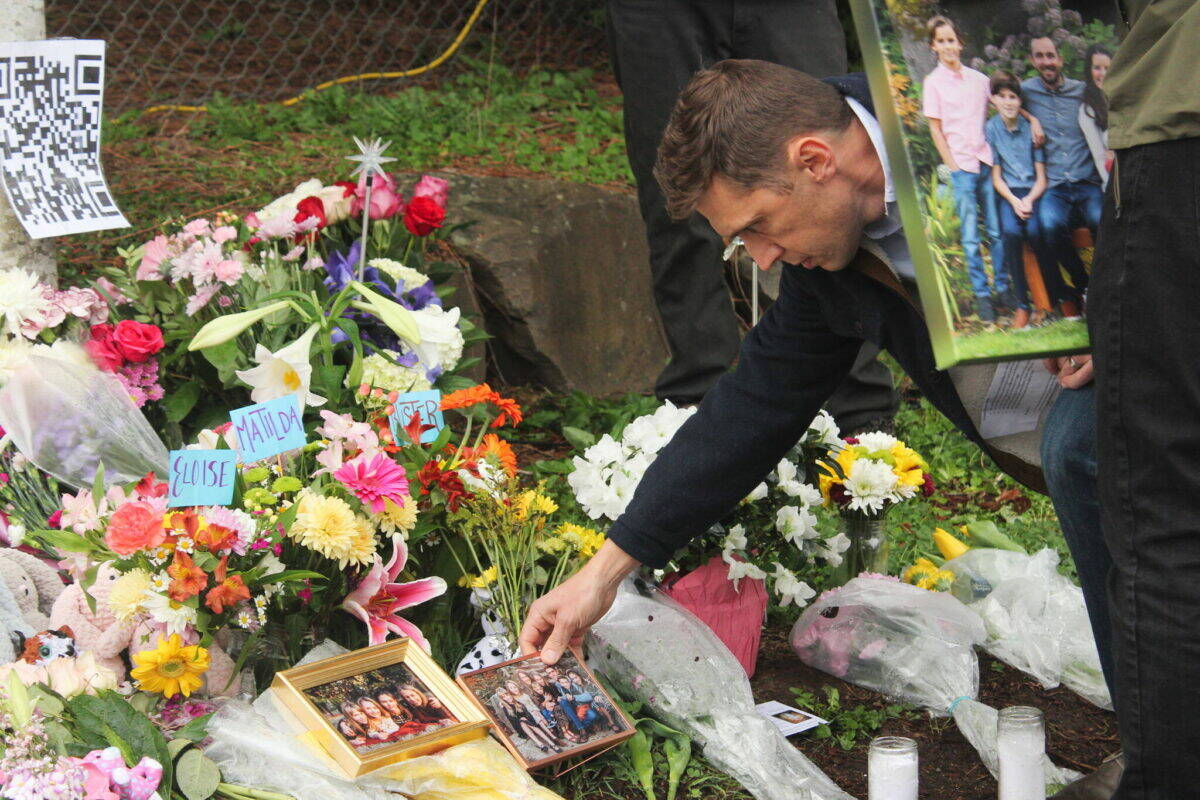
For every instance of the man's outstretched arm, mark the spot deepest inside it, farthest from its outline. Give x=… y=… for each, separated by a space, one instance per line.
x=789 y=365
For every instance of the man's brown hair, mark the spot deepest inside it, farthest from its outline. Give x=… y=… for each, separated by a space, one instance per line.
x=734 y=120
x=938 y=21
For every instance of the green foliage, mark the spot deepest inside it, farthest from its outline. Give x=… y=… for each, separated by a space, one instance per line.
x=848 y=725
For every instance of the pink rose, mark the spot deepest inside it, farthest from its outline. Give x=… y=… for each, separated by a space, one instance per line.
x=137 y=341
x=432 y=187
x=102 y=350
x=134 y=526
x=386 y=202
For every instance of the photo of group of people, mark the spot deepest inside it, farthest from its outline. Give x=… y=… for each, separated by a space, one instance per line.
x=546 y=712
x=1003 y=119
x=380 y=707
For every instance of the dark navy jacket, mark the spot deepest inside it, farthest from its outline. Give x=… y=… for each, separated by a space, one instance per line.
x=789 y=365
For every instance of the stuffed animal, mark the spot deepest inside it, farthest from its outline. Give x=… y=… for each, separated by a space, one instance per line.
x=98 y=632
x=11 y=624
x=33 y=584
x=42 y=648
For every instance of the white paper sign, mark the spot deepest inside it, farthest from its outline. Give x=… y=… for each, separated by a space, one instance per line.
x=51 y=98
x=788 y=720
x=1020 y=393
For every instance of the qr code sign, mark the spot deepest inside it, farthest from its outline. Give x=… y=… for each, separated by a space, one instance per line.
x=51 y=98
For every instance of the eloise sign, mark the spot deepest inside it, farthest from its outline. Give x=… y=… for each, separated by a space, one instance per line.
x=201 y=477
x=265 y=429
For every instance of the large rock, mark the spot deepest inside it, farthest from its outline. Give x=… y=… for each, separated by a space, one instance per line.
x=562 y=279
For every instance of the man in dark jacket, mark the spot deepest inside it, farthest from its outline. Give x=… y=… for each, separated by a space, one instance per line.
x=795 y=167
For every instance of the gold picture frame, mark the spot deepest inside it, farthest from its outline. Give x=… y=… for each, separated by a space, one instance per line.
x=374 y=707
x=555 y=737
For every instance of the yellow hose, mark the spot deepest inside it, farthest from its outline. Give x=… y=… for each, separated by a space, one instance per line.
x=366 y=76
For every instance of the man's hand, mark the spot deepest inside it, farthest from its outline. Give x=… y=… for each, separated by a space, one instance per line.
x=1073 y=372
x=1036 y=132
x=561 y=617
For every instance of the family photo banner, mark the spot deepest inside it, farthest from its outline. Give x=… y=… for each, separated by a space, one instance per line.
x=995 y=125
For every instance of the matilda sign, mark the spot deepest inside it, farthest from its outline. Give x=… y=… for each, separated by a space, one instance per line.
x=265 y=429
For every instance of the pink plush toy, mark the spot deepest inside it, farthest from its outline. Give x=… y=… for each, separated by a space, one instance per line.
x=109 y=779
x=98 y=632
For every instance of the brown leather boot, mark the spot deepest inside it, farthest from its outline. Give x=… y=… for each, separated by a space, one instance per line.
x=1100 y=785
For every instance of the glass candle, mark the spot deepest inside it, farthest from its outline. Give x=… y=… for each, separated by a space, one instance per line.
x=892 y=769
x=1021 y=742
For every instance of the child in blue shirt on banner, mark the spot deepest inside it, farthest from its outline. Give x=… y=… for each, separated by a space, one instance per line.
x=1019 y=176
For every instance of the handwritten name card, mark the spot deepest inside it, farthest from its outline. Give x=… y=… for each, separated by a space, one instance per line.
x=428 y=405
x=266 y=429
x=201 y=477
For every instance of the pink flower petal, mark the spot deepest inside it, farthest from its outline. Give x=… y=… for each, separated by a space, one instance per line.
x=407 y=595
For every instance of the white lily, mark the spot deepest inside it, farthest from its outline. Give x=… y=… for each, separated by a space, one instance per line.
x=286 y=371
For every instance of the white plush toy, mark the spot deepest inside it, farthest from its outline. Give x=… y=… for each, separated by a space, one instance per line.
x=33 y=584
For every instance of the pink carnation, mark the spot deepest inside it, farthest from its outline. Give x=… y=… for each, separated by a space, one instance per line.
x=135 y=526
x=374 y=480
x=156 y=251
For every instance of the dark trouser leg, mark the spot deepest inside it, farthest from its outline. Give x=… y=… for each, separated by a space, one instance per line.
x=1054 y=218
x=655 y=46
x=867 y=396
x=1013 y=232
x=1144 y=292
x=1069 y=464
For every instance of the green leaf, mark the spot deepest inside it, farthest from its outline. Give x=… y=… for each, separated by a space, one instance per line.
x=291 y=575
x=196 y=775
x=225 y=357
x=19 y=706
x=327 y=379
x=390 y=313
x=205 y=560
x=195 y=731
x=107 y=719
x=643 y=762
x=66 y=540
x=579 y=438
x=176 y=746
x=98 y=485
x=181 y=401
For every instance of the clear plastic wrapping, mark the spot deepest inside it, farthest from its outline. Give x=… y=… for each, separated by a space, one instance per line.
x=68 y=417
x=1035 y=618
x=911 y=644
x=652 y=649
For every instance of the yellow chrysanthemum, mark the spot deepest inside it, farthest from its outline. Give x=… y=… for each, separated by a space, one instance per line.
x=170 y=668
x=400 y=518
x=127 y=595
x=924 y=574
x=910 y=468
x=362 y=546
x=482 y=580
x=330 y=527
x=532 y=502
x=584 y=541
x=845 y=459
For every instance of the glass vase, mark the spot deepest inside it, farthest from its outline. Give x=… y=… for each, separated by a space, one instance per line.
x=868 y=550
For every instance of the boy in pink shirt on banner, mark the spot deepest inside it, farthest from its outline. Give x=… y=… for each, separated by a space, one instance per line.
x=956 y=105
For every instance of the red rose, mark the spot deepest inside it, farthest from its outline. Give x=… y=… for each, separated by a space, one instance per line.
x=137 y=341
x=423 y=215
x=103 y=350
x=348 y=187
x=311 y=207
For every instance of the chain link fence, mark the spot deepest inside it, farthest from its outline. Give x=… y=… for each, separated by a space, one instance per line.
x=184 y=52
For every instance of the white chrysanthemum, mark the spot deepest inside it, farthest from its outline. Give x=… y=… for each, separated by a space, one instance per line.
x=21 y=301
x=876 y=441
x=824 y=430
x=790 y=588
x=796 y=524
x=831 y=549
x=176 y=617
x=380 y=373
x=870 y=485
x=441 y=340
x=408 y=277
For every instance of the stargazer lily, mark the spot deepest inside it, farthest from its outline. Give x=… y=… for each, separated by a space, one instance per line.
x=379 y=598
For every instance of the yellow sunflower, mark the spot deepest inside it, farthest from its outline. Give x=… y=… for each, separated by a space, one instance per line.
x=170 y=668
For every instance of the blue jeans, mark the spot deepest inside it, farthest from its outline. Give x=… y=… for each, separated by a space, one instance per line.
x=972 y=190
x=1069 y=464
x=1064 y=208
x=1014 y=232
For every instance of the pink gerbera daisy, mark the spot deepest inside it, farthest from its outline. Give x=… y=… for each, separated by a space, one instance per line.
x=374 y=479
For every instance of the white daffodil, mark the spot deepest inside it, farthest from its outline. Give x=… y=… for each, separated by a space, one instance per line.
x=790 y=588
x=286 y=371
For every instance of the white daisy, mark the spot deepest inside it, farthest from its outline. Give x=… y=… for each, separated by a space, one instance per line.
x=176 y=617
x=869 y=485
x=23 y=305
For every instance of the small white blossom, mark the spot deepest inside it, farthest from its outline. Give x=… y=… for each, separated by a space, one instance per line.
x=796 y=524
x=743 y=569
x=790 y=588
x=831 y=549
x=758 y=493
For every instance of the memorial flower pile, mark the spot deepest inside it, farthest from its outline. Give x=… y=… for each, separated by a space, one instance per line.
x=868 y=474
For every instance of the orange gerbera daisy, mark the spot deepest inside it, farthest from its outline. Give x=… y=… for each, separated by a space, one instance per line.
x=483 y=393
x=495 y=446
x=187 y=579
x=229 y=591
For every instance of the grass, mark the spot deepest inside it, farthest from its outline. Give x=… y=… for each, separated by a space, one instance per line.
x=1059 y=336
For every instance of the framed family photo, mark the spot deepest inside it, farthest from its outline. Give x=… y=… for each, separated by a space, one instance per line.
x=545 y=714
x=379 y=705
x=995 y=124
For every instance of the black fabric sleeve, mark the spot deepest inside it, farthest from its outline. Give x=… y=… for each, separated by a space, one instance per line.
x=790 y=363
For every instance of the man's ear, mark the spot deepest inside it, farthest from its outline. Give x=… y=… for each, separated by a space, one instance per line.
x=812 y=156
